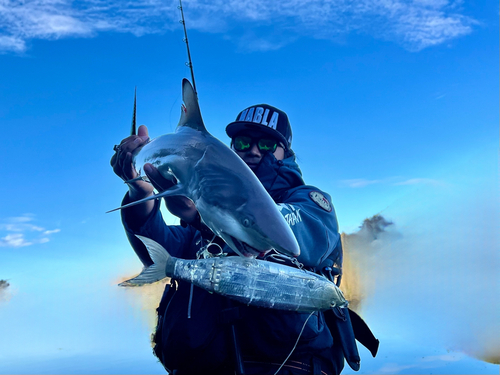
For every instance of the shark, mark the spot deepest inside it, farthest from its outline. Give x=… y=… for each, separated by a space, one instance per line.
x=229 y=197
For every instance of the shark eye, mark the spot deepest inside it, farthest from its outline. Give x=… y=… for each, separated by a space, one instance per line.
x=246 y=222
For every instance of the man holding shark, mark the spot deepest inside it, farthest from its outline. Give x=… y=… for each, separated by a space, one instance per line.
x=200 y=332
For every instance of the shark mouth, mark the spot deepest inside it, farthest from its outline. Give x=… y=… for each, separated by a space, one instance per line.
x=244 y=249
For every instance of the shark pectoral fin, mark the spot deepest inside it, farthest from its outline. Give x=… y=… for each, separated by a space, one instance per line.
x=156 y=271
x=154 y=196
x=173 y=191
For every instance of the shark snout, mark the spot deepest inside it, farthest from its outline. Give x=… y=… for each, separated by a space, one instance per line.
x=273 y=233
x=282 y=240
x=254 y=240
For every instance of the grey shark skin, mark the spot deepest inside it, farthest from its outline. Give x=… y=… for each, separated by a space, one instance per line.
x=250 y=281
x=230 y=199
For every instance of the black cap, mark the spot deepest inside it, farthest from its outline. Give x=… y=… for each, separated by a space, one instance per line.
x=264 y=118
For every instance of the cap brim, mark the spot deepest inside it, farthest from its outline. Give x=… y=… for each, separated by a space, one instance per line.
x=238 y=126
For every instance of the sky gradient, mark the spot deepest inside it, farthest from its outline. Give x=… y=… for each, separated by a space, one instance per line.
x=394 y=109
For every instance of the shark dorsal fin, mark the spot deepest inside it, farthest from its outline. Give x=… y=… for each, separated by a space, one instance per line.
x=190 y=111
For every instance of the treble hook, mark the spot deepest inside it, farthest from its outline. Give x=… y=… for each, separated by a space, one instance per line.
x=205 y=252
x=284 y=258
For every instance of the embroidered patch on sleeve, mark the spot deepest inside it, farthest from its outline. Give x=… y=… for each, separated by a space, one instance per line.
x=320 y=200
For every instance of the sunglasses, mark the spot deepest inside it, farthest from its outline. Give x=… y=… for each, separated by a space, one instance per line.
x=244 y=143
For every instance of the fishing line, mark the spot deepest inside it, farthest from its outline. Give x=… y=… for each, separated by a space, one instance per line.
x=174 y=104
x=296 y=342
x=190 y=303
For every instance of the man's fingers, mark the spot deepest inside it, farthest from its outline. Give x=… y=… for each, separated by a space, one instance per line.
x=117 y=169
x=113 y=160
x=131 y=144
x=143 y=132
x=129 y=171
x=128 y=147
x=122 y=163
x=159 y=182
x=179 y=206
x=127 y=140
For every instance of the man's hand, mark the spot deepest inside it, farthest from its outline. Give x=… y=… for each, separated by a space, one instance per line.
x=121 y=162
x=179 y=206
x=123 y=168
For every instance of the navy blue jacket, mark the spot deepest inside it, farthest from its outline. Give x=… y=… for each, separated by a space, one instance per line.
x=190 y=324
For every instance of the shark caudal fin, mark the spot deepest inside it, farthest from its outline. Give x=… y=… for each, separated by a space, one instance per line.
x=133 y=130
x=190 y=111
x=156 y=271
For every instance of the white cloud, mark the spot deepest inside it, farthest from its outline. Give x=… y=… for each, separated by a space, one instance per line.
x=14 y=240
x=20 y=224
x=455 y=357
x=5 y=293
x=360 y=182
x=394 y=368
x=417 y=181
x=52 y=231
x=422 y=363
x=20 y=227
x=18 y=240
x=424 y=27
x=12 y=43
x=21 y=219
x=416 y=24
x=396 y=181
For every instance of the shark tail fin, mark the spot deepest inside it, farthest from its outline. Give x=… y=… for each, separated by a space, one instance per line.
x=155 y=272
x=133 y=130
x=190 y=111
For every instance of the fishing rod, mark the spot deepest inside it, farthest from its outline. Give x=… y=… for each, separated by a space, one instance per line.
x=133 y=130
x=189 y=63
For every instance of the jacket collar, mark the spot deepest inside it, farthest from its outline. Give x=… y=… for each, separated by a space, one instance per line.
x=279 y=176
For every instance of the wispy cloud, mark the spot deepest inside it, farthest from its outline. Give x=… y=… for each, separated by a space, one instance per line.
x=360 y=182
x=422 y=363
x=415 y=24
x=394 y=368
x=454 y=357
x=51 y=231
x=14 y=240
x=395 y=181
x=4 y=290
x=419 y=181
x=19 y=231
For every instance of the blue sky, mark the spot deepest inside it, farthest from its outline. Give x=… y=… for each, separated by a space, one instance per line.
x=394 y=108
